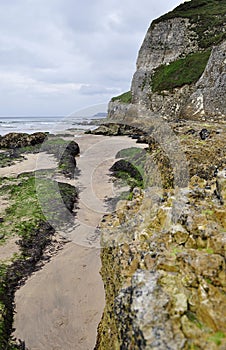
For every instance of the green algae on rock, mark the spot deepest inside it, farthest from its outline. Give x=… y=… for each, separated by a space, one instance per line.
x=24 y=219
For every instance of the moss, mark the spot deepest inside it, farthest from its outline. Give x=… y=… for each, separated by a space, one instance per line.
x=27 y=200
x=193 y=318
x=180 y=72
x=126 y=97
x=136 y=156
x=217 y=338
x=132 y=182
x=176 y=251
x=208 y=17
x=129 y=152
x=209 y=251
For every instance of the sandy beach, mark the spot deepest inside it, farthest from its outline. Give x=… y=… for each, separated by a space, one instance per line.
x=61 y=305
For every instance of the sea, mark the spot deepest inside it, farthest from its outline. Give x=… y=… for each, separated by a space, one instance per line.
x=51 y=124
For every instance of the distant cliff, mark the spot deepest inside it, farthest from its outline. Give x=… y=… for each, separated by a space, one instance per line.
x=181 y=65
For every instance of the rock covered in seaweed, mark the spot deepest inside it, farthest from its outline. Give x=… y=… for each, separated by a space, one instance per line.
x=18 y=140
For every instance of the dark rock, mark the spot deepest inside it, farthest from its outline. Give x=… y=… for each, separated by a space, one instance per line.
x=190 y=132
x=204 y=134
x=18 y=140
x=124 y=166
x=67 y=161
x=73 y=148
x=69 y=195
x=135 y=136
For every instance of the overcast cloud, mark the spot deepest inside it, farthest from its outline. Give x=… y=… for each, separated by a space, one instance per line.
x=57 y=56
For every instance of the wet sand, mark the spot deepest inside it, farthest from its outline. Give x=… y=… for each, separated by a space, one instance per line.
x=61 y=305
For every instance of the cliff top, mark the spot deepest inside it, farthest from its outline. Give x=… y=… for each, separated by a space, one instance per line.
x=208 y=17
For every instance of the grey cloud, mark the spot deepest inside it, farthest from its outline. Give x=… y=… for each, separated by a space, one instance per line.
x=97 y=90
x=47 y=48
x=22 y=57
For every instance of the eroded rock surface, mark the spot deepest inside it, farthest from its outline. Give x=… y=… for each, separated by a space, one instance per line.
x=164 y=278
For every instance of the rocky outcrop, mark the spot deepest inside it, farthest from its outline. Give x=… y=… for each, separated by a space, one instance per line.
x=208 y=97
x=125 y=166
x=171 y=79
x=164 y=43
x=114 y=129
x=121 y=112
x=67 y=162
x=18 y=140
x=164 y=278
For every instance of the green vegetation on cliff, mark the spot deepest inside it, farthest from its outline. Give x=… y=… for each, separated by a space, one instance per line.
x=207 y=15
x=180 y=72
x=207 y=19
x=126 y=97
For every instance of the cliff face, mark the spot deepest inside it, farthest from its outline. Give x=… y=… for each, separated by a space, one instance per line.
x=171 y=79
x=164 y=43
x=208 y=97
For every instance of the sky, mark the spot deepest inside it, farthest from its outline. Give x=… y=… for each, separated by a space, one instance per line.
x=59 y=56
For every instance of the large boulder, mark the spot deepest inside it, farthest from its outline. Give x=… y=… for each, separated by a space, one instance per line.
x=18 y=140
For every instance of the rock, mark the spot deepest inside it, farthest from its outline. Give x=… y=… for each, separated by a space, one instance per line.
x=210 y=305
x=67 y=162
x=169 y=39
x=221 y=185
x=204 y=134
x=118 y=129
x=18 y=140
x=208 y=98
x=73 y=148
x=190 y=329
x=107 y=130
x=123 y=165
x=166 y=270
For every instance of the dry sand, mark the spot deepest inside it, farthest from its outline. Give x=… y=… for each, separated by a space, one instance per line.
x=61 y=305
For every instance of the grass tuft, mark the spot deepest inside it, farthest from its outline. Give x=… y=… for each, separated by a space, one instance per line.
x=180 y=72
x=126 y=97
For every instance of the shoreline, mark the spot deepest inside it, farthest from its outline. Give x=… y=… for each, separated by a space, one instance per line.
x=29 y=298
